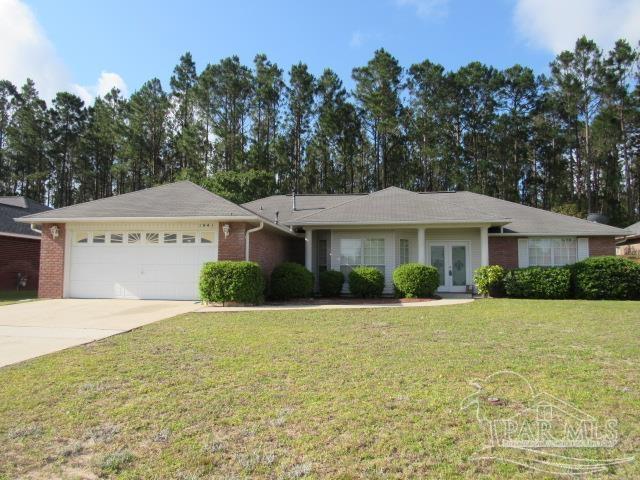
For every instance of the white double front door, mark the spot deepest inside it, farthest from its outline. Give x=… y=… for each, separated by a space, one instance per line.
x=452 y=261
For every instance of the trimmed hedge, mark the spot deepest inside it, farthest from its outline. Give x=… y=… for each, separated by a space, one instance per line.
x=490 y=280
x=539 y=282
x=291 y=280
x=366 y=282
x=415 y=280
x=229 y=281
x=331 y=282
x=612 y=278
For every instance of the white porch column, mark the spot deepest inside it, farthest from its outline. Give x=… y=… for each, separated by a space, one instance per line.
x=308 y=249
x=484 y=246
x=421 y=246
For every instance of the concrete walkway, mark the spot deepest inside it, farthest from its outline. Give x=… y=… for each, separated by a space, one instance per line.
x=430 y=303
x=31 y=329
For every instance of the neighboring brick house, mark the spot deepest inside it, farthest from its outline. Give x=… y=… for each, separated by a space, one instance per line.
x=19 y=244
x=629 y=245
x=152 y=243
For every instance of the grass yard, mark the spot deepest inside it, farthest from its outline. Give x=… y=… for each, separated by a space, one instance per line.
x=12 y=296
x=315 y=394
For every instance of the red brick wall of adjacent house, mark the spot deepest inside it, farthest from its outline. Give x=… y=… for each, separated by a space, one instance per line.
x=267 y=247
x=599 y=246
x=19 y=255
x=503 y=251
x=51 y=282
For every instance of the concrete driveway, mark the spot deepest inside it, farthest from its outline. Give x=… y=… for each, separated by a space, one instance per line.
x=28 y=330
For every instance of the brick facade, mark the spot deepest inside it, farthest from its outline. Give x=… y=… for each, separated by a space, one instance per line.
x=503 y=251
x=51 y=263
x=268 y=247
x=599 y=246
x=19 y=255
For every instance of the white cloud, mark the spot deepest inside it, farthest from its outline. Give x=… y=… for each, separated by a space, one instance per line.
x=426 y=8
x=105 y=83
x=555 y=25
x=26 y=52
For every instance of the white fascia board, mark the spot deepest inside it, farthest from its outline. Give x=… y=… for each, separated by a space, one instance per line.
x=444 y=224
x=554 y=234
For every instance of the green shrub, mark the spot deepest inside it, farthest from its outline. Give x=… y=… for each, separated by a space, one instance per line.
x=229 y=281
x=366 y=282
x=413 y=280
x=291 y=280
x=538 y=282
x=331 y=282
x=612 y=278
x=490 y=280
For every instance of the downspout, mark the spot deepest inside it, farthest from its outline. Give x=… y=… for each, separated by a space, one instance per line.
x=246 y=239
x=33 y=227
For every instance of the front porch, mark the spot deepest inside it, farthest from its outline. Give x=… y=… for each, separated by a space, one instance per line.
x=456 y=251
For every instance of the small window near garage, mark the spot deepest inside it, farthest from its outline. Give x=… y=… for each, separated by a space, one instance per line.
x=170 y=238
x=206 y=237
x=151 y=237
x=116 y=238
x=134 y=238
x=404 y=251
x=188 y=238
x=81 y=237
x=99 y=237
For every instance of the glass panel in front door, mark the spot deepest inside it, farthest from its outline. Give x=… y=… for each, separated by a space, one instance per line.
x=437 y=260
x=459 y=265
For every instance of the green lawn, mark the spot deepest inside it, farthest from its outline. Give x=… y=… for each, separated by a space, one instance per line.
x=315 y=394
x=12 y=296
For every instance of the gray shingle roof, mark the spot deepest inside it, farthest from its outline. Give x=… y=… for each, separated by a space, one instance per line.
x=305 y=204
x=395 y=205
x=12 y=207
x=180 y=199
x=634 y=229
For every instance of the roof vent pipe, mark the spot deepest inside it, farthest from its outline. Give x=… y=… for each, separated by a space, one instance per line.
x=277 y=215
x=293 y=196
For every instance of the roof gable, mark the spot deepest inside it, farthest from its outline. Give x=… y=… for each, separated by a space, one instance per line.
x=172 y=200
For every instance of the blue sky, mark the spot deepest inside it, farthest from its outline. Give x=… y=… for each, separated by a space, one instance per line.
x=90 y=44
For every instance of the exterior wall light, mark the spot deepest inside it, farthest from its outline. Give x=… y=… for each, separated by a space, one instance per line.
x=226 y=229
x=55 y=231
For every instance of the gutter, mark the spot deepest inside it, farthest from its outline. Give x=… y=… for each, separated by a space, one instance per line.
x=246 y=239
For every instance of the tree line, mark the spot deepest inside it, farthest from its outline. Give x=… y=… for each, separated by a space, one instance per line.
x=567 y=141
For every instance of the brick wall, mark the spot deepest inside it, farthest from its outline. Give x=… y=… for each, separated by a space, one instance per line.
x=599 y=246
x=51 y=282
x=267 y=247
x=19 y=255
x=503 y=251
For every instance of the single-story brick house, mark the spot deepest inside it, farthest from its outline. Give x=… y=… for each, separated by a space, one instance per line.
x=630 y=244
x=152 y=243
x=19 y=244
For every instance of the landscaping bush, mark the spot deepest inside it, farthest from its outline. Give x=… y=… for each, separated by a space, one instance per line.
x=538 y=282
x=366 y=282
x=613 y=278
x=291 y=280
x=413 y=280
x=490 y=280
x=331 y=282
x=229 y=281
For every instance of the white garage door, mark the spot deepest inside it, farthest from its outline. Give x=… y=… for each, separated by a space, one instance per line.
x=151 y=264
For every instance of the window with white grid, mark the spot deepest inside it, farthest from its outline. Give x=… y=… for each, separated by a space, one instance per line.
x=404 y=251
x=552 y=252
